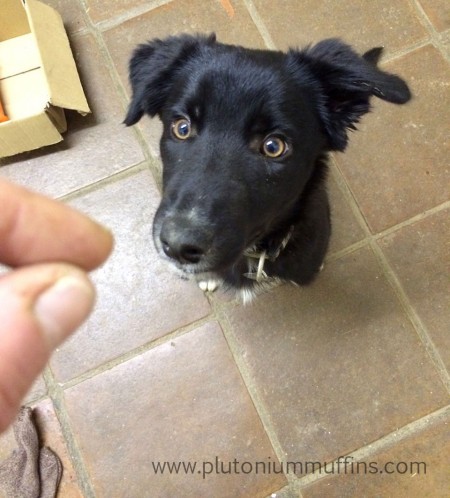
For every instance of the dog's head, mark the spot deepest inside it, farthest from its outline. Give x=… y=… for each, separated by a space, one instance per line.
x=243 y=130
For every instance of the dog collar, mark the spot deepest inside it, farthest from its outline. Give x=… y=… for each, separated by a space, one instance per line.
x=261 y=256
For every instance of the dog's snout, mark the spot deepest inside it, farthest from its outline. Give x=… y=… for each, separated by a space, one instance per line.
x=184 y=253
x=183 y=241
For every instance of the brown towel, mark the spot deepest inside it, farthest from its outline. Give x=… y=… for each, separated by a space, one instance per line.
x=30 y=471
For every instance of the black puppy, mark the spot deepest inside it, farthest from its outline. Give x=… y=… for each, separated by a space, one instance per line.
x=244 y=151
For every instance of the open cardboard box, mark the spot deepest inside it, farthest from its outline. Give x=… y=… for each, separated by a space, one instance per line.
x=38 y=76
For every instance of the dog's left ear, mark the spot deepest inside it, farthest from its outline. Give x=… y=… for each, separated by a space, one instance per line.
x=152 y=68
x=343 y=82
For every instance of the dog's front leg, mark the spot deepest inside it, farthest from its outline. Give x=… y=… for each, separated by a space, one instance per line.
x=209 y=285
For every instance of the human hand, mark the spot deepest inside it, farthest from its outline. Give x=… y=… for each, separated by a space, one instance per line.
x=48 y=293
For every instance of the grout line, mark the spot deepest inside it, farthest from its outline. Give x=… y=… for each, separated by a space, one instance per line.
x=443 y=50
x=122 y=93
x=346 y=251
x=130 y=13
x=260 y=24
x=31 y=400
x=290 y=490
x=357 y=211
x=387 y=58
x=410 y=312
x=384 y=442
x=436 y=36
x=348 y=194
x=391 y=276
x=133 y=353
x=422 y=16
x=102 y=182
x=78 y=32
x=414 y=219
x=55 y=393
x=253 y=392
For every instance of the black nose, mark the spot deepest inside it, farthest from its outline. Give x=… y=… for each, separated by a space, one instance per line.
x=182 y=241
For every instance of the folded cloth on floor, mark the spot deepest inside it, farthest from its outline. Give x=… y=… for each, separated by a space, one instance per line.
x=30 y=471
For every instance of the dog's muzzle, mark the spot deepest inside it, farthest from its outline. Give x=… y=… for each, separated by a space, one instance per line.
x=183 y=241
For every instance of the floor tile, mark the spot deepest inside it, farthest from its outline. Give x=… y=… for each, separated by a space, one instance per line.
x=51 y=436
x=438 y=11
x=182 y=401
x=50 y=431
x=420 y=257
x=181 y=16
x=287 y=492
x=140 y=297
x=190 y=16
x=97 y=11
x=293 y=23
x=345 y=228
x=94 y=147
x=397 y=163
x=71 y=12
x=38 y=389
x=445 y=43
x=337 y=364
x=430 y=446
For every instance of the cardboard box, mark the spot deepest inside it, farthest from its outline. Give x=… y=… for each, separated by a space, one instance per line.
x=38 y=76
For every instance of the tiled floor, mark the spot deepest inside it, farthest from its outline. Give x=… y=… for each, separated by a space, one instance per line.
x=357 y=364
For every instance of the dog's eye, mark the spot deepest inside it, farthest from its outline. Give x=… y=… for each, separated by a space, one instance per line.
x=274 y=147
x=181 y=129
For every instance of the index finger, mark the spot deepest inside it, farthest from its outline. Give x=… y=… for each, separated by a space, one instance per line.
x=35 y=229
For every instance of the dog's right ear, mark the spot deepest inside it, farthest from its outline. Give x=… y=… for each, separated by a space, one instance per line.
x=344 y=82
x=152 y=68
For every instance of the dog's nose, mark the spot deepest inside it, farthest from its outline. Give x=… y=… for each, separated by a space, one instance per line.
x=183 y=242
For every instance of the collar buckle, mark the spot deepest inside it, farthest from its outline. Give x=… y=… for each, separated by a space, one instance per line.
x=251 y=253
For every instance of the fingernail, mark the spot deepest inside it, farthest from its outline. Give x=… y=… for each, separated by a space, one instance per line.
x=63 y=307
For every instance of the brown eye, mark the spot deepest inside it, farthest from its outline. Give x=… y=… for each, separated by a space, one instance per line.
x=274 y=147
x=181 y=129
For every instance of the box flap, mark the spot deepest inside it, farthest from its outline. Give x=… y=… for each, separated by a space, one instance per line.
x=18 y=55
x=17 y=22
x=64 y=84
x=29 y=133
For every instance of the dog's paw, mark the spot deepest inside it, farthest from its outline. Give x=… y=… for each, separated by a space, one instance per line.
x=208 y=285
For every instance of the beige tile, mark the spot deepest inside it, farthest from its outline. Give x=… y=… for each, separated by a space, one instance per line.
x=397 y=163
x=376 y=23
x=181 y=16
x=98 y=11
x=420 y=256
x=71 y=12
x=38 y=389
x=337 y=364
x=430 y=446
x=183 y=401
x=139 y=297
x=345 y=228
x=438 y=11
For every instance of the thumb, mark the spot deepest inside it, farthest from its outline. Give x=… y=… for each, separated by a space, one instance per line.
x=40 y=306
